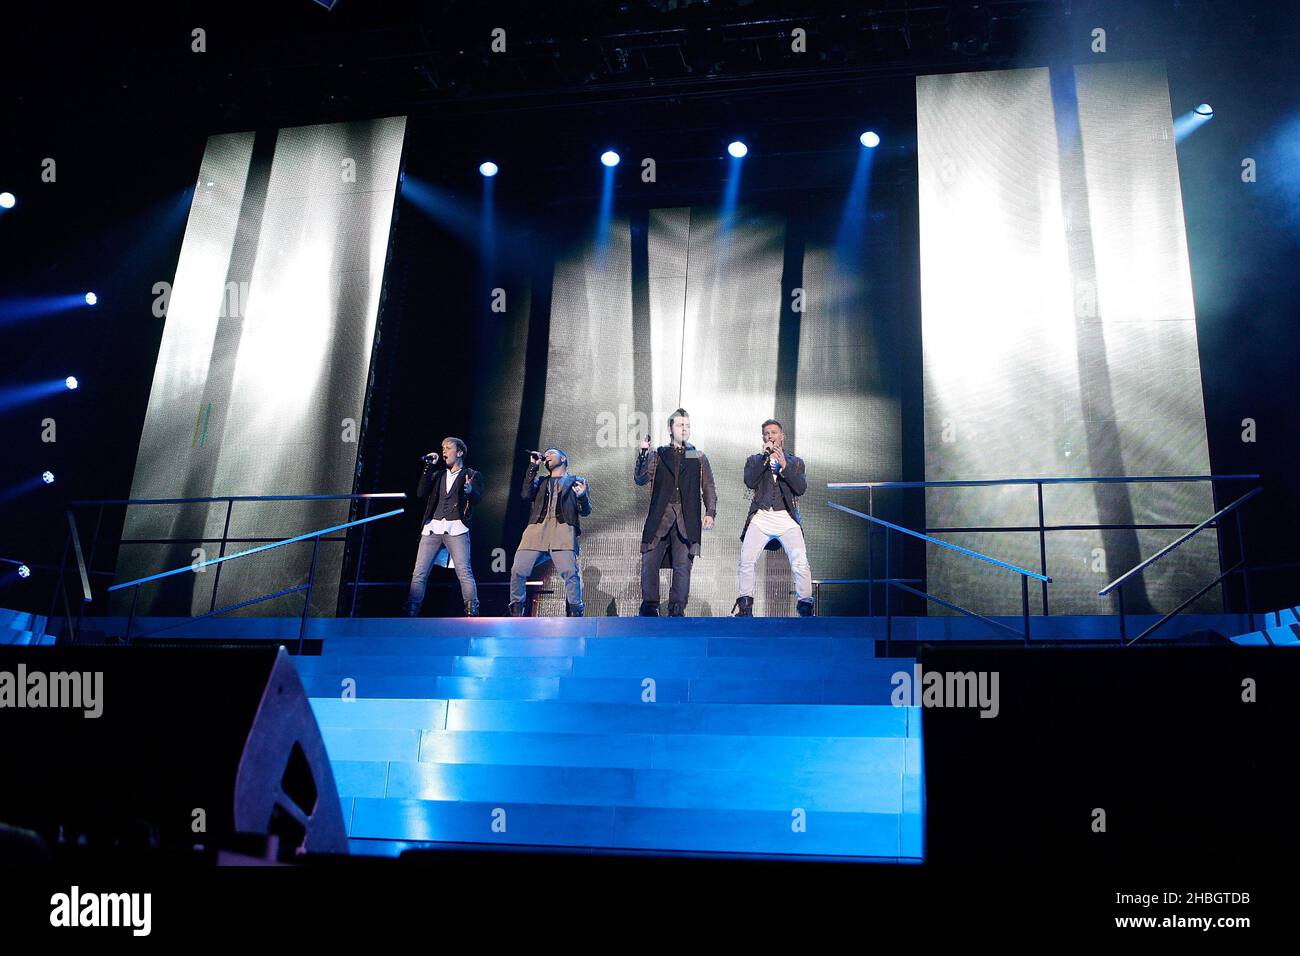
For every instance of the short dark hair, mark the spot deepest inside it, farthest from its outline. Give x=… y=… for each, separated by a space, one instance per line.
x=680 y=413
x=772 y=421
x=560 y=452
x=460 y=445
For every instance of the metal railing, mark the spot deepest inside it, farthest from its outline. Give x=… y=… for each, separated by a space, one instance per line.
x=1042 y=529
x=1118 y=584
x=892 y=582
x=85 y=565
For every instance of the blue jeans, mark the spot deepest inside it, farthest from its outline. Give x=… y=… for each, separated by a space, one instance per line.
x=430 y=544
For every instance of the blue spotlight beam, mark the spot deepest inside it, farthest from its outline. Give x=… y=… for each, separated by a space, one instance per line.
x=17 y=308
x=17 y=395
x=1189 y=123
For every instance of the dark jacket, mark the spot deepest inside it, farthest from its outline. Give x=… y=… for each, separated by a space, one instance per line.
x=695 y=482
x=790 y=482
x=571 y=505
x=431 y=483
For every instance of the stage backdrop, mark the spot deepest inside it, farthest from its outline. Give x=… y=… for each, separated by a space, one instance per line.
x=736 y=318
x=260 y=384
x=1059 y=334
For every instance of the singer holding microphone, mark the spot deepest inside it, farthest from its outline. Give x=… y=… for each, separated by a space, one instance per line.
x=446 y=523
x=679 y=476
x=558 y=500
x=777 y=480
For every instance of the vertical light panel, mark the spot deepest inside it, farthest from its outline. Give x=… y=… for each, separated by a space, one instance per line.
x=729 y=380
x=260 y=383
x=1042 y=356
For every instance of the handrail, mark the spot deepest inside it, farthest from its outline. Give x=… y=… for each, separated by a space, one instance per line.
x=981 y=482
x=364 y=499
x=944 y=544
x=1169 y=547
x=1042 y=528
x=891 y=582
x=243 y=554
x=186 y=501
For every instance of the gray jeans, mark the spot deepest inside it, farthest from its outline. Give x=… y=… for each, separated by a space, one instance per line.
x=566 y=562
x=430 y=544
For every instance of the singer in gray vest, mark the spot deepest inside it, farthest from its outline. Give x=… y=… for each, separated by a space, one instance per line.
x=558 y=499
x=453 y=491
x=680 y=477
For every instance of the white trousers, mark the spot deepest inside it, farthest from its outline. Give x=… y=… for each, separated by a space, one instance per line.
x=763 y=527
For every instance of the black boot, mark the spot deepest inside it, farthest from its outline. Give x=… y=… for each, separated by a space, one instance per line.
x=572 y=610
x=744 y=607
x=471 y=608
x=516 y=609
x=676 y=610
x=805 y=607
x=649 y=609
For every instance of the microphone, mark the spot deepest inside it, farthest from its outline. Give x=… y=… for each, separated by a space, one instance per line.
x=429 y=458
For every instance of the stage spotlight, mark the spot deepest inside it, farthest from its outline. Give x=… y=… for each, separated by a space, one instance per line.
x=47 y=477
x=91 y=298
x=737 y=149
x=7 y=200
x=488 y=169
x=71 y=381
x=1205 y=109
x=869 y=139
x=24 y=571
x=609 y=157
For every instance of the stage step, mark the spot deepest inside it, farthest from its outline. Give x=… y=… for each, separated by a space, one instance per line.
x=1288 y=615
x=874 y=690
x=22 y=627
x=659 y=666
x=1286 y=636
x=633 y=751
x=795 y=831
x=718 y=736
x=803 y=720
x=836 y=790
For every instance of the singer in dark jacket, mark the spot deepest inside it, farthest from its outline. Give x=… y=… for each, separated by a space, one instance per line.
x=453 y=491
x=680 y=477
x=558 y=499
x=777 y=480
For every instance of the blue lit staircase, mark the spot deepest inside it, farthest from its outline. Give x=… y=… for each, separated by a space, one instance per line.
x=21 y=627
x=762 y=736
x=1281 y=629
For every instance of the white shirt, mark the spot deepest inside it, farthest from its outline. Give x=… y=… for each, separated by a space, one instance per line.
x=442 y=525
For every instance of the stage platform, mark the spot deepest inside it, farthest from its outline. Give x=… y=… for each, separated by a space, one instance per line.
x=774 y=737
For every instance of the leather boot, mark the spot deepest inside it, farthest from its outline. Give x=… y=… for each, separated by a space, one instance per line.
x=805 y=608
x=572 y=610
x=744 y=607
x=649 y=609
x=676 y=610
x=471 y=608
x=516 y=609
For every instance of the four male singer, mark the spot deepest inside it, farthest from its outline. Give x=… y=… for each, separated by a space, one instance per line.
x=446 y=522
x=680 y=476
x=777 y=480
x=559 y=499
